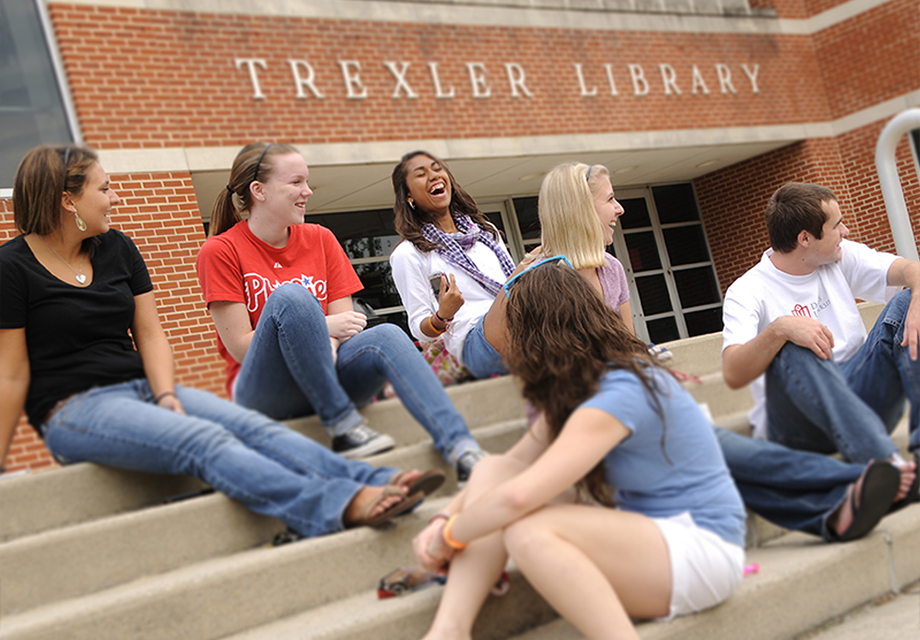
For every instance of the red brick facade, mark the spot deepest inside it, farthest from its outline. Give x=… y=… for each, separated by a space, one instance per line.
x=143 y=79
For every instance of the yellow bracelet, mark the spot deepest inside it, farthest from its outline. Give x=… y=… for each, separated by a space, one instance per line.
x=448 y=539
x=434 y=328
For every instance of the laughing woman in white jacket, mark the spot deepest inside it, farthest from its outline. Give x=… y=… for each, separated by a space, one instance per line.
x=448 y=244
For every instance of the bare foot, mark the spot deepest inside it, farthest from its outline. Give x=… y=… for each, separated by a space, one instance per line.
x=404 y=479
x=366 y=496
x=843 y=517
x=908 y=474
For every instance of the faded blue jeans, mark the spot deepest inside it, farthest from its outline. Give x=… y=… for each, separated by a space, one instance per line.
x=251 y=458
x=797 y=490
x=819 y=405
x=289 y=372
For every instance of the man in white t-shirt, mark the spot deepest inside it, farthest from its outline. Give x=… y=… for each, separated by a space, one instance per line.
x=793 y=331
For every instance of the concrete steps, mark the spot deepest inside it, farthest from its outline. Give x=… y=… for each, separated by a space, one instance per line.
x=89 y=552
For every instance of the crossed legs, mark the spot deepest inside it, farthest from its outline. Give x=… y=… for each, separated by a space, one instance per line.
x=582 y=559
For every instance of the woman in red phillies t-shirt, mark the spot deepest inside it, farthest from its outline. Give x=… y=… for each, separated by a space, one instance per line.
x=279 y=291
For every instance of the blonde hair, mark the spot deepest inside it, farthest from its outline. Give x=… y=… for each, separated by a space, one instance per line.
x=568 y=221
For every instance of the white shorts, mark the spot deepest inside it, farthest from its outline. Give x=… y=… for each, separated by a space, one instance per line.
x=705 y=569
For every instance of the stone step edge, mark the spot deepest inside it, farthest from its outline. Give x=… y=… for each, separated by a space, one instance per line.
x=759 y=610
x=15 y=492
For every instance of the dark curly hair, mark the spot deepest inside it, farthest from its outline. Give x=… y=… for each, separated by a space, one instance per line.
x=562 y=339
x=409 y=221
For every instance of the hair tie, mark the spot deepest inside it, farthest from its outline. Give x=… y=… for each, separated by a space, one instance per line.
x=229 y=190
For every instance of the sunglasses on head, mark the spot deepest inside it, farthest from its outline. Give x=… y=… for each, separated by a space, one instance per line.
x=560 y=258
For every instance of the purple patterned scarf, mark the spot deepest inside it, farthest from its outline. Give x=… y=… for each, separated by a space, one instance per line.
x=454 y=246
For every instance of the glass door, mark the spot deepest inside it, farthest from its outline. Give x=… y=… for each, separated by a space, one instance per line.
x=663 y=246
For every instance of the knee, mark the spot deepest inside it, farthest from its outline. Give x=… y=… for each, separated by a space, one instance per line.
x=293 y=298
x=896 y=310
x=391 y=333
x=526 y=537
x=493 y=470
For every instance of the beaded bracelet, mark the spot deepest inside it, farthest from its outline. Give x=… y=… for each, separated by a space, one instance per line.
x=448 y=539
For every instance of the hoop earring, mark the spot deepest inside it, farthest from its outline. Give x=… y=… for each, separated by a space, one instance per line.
x=80 y=224
x=411 y=204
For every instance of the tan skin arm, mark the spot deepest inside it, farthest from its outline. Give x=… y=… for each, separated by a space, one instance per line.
x=589 y=434
x=906 y=273
x=526 y=450
x=157 y=355
x=235 y=330
x=14 y=384
x=742 y=363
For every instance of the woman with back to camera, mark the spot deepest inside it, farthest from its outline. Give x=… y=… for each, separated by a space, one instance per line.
x=449 y=244
x=72 y=289
x=672 y=541
x=279 y=291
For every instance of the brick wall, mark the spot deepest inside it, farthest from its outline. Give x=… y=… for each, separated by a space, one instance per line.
x=733 y=201
x=155 y=78
x=160 y=213
x=871 y=57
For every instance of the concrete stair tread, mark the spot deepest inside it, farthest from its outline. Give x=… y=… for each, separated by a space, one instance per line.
x=86 y=492
x=832 y=578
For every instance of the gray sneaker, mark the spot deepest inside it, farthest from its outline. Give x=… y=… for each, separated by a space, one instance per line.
x=465 y=464
x=361 y=442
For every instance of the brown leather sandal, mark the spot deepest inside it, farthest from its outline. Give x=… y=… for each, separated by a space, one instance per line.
x=426 y=484
x=407 y=502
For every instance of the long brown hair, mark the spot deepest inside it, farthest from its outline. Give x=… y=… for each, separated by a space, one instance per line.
x=409 y=221
x=562 y=338
x=43 y=176
x=254 y=162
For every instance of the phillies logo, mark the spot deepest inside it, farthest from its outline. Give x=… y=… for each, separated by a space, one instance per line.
x=258 y=288
x=801 y=310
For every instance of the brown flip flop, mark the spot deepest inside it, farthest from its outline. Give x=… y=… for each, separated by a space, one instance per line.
x=407 y=502
x=426 y=484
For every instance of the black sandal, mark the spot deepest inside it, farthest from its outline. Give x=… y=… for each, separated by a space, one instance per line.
x=880 y=483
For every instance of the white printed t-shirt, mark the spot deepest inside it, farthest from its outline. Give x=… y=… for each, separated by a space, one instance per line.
x=828 y=295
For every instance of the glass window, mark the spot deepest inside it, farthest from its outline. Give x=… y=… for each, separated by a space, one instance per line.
x=696 y=287
x=653 y=292
x=635 y=214
x=706 y=321
x=528 y=218
x=32 y=105
x=643 y=251
x=663 y=330
x=686 y=245
x=363 y=234
x=675 y=203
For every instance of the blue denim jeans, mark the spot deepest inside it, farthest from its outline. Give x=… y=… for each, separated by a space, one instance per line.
x=797 y=490
x=819 y=405
x=289 y=372
x=254 y=460
x=479 y=357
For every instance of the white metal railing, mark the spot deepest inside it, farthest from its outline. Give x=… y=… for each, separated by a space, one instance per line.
x=887 y=169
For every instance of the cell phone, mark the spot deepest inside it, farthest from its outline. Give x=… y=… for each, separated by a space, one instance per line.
x=435 y=280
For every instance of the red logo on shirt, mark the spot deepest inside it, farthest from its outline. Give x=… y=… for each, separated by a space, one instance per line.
x=258 y=288
x=801 y=310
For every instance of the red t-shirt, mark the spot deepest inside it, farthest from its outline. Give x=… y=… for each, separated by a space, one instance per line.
x=236 y=266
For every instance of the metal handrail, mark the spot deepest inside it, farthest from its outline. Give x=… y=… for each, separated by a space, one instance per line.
x=887 y=168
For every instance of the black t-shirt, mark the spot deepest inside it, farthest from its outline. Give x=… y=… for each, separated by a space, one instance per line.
x=77 y=337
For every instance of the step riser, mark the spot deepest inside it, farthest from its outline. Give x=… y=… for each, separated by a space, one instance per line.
x=171 y=537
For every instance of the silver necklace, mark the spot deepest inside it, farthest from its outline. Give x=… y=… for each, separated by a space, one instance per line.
x=78 y=273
